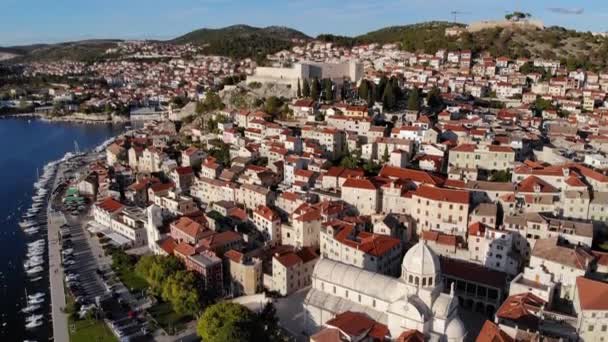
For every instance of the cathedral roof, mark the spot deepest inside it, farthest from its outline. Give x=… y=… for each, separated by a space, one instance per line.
x=420 y=260
x=356 y=279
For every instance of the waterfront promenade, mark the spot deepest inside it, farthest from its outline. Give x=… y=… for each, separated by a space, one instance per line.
x=58 y=300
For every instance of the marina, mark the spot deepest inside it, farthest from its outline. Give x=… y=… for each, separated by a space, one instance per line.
x=29 y=176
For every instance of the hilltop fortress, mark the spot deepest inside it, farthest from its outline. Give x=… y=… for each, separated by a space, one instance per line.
x=521 y=23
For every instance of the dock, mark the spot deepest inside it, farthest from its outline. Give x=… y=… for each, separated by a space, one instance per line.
x=56 y=274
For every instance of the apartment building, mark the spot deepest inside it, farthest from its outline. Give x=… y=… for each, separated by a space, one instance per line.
x=363 y=194
x=369 y=251
x=105 y=210
x=440 y=209
x=245 y=272
x=253 y=196
x=590 y=302
x=529 y=227
x=485 y=157
x=292 y=271
x=130 y=223
x=563 y=261
x=267 y=222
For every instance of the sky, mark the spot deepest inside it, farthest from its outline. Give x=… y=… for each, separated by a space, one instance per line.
x=48 y=21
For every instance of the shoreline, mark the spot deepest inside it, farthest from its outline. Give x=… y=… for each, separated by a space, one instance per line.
x=67 y=118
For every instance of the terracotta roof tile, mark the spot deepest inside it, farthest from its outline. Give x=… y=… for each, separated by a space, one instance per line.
x=592 y=294
x=441 y=194
x=490 y=332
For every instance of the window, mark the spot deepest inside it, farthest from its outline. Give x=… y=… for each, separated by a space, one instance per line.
x=359 y=298
x=604 y=327
x=590 y=327
x=431 y=281
x=411 y=279
x=334 y=289
x=423 y=281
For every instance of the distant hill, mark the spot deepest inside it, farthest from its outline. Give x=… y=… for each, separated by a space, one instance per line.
x=85 y=50
x=242 y=41
x=575 y=49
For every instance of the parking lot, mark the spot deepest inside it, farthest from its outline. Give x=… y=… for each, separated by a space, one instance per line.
x=89 y=278
x=81 y=263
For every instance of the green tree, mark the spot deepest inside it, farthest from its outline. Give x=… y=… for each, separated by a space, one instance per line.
x=380 y=88
x=349 y=162
x=385 y=155
x=413 y=101
x=371 y=168
x=181 y=290
x=299 y=91
x=273 y=105
x=155 y=269
x=229 y=322
x=389 y=99
x=433 y=98
x=212 y=102
x=328 y=91
x=306 y=89
x=315 y=89
x=221 y=154
x=501 y=176
x=363 y=90
x=540 y=105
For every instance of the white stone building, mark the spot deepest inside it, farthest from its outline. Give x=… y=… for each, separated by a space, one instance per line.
x=413 y=301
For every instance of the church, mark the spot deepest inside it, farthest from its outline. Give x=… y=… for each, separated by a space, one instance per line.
x=414 y=301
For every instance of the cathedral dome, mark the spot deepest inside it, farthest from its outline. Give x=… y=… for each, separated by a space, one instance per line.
x=455 y=330
x=420 y=260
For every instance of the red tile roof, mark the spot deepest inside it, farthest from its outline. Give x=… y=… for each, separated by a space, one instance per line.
x=290 y=258
x=188 y=227
x=168 y=245
x=441 y=238
x=221 y=239
x=533 y=183
x=592 y=294
x=110 y=205
x=522 y=308
x=359 y=184
x=441 y=194
x=411 y=336
x=373 y=244
x=184 y=249
x=490 y=332
x=356 y=324
x=575 y=181
x=234 y=256
x=477 y=229
x=267 y=213
x=417 y=176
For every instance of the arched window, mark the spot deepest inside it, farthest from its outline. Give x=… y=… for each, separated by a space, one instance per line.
x=417 y=281
x=424 y=281
x=431 y=281
x=411 y=280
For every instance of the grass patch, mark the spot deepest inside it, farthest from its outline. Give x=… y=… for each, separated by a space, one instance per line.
x=168 y=319
x=90 y=330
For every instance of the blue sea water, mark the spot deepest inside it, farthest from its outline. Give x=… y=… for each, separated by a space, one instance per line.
x=25 y=146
